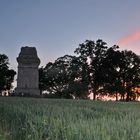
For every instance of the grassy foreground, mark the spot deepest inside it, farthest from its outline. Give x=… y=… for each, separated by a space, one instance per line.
x=52 y=119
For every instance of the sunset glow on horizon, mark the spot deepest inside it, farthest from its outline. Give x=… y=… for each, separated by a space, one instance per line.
x=130 y=39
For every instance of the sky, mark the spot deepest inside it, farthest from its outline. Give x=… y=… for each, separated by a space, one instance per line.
x=57 y=27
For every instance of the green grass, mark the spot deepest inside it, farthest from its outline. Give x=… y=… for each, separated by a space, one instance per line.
x=53 y=119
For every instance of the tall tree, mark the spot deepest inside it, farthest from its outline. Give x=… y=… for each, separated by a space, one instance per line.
x=123 y=72
x=111 y=79
x=6 y=74
x=130 y=72
x=93 y=53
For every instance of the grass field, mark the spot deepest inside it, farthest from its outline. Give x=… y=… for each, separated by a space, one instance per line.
x=53 y=119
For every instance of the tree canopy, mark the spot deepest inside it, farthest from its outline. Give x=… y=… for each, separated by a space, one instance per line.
x=96 y=68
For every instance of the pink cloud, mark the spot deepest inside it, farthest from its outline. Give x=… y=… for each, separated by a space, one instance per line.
x=129 y=39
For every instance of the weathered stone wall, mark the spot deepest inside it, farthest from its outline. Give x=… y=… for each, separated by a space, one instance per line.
x=28 y=76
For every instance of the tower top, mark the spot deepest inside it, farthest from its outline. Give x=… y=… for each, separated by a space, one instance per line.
x=28 y=55
x=28 y=52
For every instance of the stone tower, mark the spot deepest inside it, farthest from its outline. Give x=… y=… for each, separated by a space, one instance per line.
x=28 y=76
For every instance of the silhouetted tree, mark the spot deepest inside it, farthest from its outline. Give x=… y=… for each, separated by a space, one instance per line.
x=130 y=72
x=78 y=78
x=54 y=77
x=122 y=72
x=93 y=53
x=42 y=80
x=111 y=79
x=6 y=74
x=65 y=78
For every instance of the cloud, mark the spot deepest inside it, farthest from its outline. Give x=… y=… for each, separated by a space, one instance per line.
x=130 y=39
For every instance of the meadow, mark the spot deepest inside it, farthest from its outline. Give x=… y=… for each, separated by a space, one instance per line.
x=59 y=119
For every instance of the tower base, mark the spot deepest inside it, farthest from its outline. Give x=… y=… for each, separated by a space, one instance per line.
x=27 y=92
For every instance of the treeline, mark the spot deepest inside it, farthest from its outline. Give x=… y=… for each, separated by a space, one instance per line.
x=95 y=68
